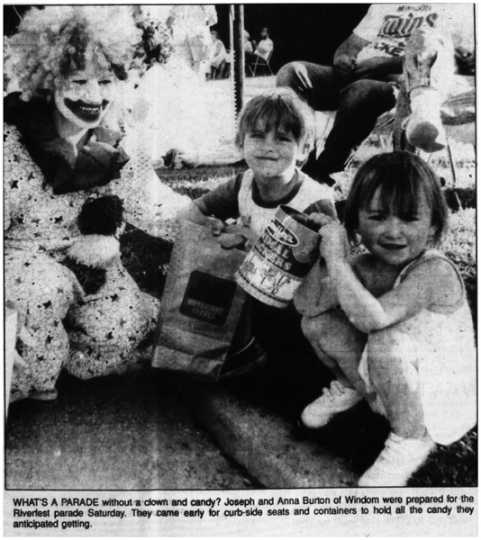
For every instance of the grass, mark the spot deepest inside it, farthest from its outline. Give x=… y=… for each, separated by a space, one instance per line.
x=359 y=435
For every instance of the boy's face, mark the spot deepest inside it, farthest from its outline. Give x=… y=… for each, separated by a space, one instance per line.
x=272 y=154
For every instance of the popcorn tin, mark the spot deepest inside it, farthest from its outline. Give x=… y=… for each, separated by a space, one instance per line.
x=281 y=257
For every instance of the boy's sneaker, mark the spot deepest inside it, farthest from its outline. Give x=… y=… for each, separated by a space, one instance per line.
x=399 y=459
x=335 y=399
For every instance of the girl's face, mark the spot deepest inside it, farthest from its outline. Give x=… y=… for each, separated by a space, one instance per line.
x=394 y=239
x=84 y=97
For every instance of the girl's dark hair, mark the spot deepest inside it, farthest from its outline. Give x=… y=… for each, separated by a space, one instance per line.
x=102 y=215
x=401 y=176
x=280 y=108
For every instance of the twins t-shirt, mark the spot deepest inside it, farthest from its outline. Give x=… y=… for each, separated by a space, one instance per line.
x=388 y=26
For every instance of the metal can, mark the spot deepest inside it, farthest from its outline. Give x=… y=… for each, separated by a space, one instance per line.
x=281 y=257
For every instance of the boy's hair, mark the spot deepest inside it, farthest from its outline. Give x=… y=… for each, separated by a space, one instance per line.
x=102 y=215
x=279 y=108
x=400 y=176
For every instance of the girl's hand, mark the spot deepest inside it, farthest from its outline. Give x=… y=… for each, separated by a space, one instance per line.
x=334 y=244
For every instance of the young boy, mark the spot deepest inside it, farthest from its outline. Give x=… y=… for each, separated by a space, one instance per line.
x=274 y=135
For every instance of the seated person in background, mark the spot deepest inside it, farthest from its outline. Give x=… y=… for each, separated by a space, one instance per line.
x=274 y=134
x=218 y=59
x=248 y=43
x=265 y=46
x=368 y=66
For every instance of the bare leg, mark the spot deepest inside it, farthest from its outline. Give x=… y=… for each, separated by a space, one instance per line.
x=42 y=291
x=338 y=344
x=392 y=361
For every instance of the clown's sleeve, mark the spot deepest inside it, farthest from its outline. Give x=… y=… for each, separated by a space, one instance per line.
x=149 y=203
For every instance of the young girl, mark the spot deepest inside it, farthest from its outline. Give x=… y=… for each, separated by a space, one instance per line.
x=394 y=324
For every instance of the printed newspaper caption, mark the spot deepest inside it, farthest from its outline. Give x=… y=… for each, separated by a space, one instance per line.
x=75 y=513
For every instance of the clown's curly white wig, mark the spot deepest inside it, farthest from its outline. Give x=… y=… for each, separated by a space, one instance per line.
x=56 y=41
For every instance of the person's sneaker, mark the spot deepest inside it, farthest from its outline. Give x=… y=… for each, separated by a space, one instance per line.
x=333 y=400
x=399 y=459
x=424 y=128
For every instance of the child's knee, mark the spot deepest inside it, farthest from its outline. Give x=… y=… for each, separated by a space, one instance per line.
x=389 y=350
x=311 y=328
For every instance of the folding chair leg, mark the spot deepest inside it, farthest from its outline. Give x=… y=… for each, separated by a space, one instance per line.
x=254 y=71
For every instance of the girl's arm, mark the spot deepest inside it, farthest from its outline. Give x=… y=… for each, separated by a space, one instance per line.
x=433 y=284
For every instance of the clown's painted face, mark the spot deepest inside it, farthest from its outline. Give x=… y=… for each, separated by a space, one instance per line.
x=84 y=96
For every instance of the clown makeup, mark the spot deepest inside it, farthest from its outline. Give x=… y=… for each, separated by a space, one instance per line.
x=83 y=97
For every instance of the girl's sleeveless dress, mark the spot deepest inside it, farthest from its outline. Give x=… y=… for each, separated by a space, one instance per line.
x=442 y=347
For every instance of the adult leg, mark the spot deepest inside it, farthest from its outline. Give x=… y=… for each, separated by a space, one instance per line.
x=318 y=85
x=42 y=291
x=428 y=75
x=107 y=334
x=360 y=104
x=338 y=344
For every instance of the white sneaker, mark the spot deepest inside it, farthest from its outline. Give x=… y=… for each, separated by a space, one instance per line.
x=399 y=459
x=424 y=128
x=335 y=399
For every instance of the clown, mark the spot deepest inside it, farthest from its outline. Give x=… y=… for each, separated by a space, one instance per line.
x=58 y=152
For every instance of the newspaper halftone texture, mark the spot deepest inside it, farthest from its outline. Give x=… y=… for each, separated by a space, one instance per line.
x=159 y=452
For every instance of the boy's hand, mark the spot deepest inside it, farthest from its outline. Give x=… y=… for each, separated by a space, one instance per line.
x=237 y=236
x=232 y=240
